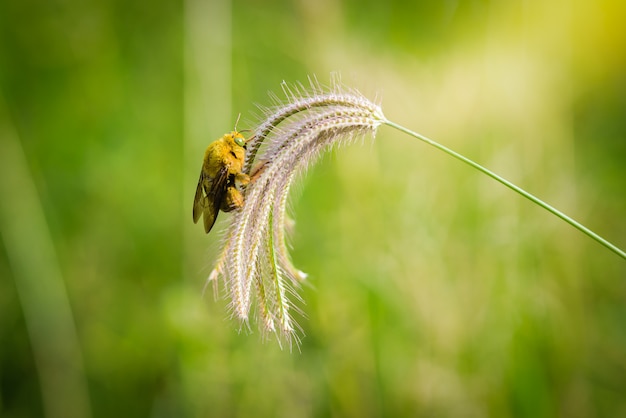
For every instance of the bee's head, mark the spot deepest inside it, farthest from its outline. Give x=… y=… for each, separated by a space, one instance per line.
x=238 y=139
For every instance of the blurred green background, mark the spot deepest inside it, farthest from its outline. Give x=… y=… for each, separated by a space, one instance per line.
x=433 y=291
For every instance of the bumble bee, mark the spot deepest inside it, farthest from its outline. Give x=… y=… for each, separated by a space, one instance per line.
x=221 y=179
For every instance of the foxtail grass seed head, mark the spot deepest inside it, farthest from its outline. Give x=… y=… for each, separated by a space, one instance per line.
x=255 y=262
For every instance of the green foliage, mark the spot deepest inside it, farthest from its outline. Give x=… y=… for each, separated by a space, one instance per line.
x=432 y=290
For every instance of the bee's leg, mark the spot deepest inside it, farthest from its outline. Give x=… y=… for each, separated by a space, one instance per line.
x=241 y=179
x=250 y=139
x=233 y=199
x=258 y=170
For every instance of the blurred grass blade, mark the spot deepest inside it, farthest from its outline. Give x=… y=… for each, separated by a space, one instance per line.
x=39 y=284
x=513 y=187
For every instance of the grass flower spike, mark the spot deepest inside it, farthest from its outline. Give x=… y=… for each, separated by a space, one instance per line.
x=254 y=262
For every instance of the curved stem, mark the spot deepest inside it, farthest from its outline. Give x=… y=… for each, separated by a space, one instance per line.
x=511 y=186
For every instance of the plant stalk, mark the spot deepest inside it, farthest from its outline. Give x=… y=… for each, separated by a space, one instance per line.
x=511 y=186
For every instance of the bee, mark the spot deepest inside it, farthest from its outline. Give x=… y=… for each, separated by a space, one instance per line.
x=221 y=179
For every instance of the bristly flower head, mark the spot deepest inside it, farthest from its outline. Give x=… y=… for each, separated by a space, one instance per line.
x=255 y=262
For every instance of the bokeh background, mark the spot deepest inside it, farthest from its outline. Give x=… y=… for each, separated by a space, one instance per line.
x=433 y=291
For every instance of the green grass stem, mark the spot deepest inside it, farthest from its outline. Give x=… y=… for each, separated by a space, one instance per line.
x=511 y=186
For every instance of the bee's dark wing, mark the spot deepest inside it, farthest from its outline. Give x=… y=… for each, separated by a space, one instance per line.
x=208 y=199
